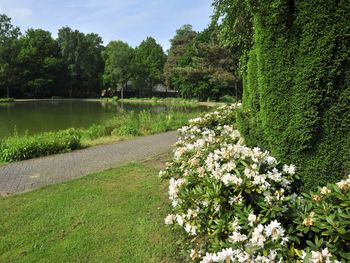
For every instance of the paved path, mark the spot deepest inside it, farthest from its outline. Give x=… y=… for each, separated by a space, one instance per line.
x=31 y=174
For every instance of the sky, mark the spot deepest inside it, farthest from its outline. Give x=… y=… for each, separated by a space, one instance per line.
x=128 y=20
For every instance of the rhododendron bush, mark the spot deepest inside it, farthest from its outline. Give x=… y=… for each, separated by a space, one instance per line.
x=232 y=202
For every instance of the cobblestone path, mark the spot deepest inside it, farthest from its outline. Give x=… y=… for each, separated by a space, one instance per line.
x=31 y=174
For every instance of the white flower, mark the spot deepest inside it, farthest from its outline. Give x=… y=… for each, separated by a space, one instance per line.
x=226 y=254
x=325 y=190
x=169 y=220
x=191 y=229
x=209 y=258
x=270 y=160
x=258 y=238
x=251 y=218
x=191 y=213
x=235 y=225
x=235 y=200
x=237 y=237
x=316 y=257
x=344 y=184
x=179 y=219
x=228 y=179
x=289 y=169
x=174 y=186
x=274 y=230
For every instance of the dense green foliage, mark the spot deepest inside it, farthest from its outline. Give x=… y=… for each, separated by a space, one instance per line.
x=82 y=62
x=39 y=58
x=296 y=81
x=118 y=58
x=9 y=49
x=148 y=63
x=199 y=67
x=111 y=216
x=126 y=124
x=179 y=43
x=35 y=65
x=43 y=144
x=323 y=218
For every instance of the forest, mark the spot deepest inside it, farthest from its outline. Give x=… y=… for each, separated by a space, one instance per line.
x=78 y=65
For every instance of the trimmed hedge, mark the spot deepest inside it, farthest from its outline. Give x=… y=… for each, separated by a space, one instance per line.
x=296 y=97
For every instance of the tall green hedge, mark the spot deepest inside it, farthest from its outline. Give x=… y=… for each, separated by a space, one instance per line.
x=296 y=98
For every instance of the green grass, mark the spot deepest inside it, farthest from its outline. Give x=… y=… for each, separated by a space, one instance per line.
x=112 y=216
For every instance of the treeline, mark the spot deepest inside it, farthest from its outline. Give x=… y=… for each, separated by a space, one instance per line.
x=35 y=65
x=295 y=63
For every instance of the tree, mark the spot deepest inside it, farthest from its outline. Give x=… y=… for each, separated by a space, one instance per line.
x=149 y=62
x=82 y=56
x=205 y=69
x=234 y=19
x=184 y=36
x=8 y=53
x=93 y=65
x=118 y=64
x=40 y=63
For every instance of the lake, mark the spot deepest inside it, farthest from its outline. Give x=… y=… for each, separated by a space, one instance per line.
x=41 y=116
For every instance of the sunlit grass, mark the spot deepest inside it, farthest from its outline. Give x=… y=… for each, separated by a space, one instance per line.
x=112 y=216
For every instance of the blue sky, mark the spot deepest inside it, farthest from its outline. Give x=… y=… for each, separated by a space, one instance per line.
x=128 y=20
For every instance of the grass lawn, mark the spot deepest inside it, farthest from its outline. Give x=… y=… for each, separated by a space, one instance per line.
x=112 y=216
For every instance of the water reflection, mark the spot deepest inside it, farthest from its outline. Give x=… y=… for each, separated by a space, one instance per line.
x=33 y=117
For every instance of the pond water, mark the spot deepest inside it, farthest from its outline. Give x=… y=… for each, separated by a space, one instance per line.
x=34 y=117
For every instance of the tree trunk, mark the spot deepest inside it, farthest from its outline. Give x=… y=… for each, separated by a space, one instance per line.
x=7 y=92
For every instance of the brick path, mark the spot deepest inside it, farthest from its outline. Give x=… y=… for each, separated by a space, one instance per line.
x=31 y=174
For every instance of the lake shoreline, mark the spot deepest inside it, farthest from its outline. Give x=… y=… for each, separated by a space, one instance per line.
x=146 y=101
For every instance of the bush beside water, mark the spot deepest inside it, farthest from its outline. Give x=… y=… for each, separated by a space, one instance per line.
x=26 y=147
x=234 y=203
x=227 y=99
x=6 y=100
x=126 y=124
x=167 y=101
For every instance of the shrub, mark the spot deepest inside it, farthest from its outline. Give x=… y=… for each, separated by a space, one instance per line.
x=115 y=99
x=6 y=100
x=323 y=221
x=227 y=99
x=238 y=204
x=228 y=198
x=128 y=129
x=95 y=131
x=21 y=148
